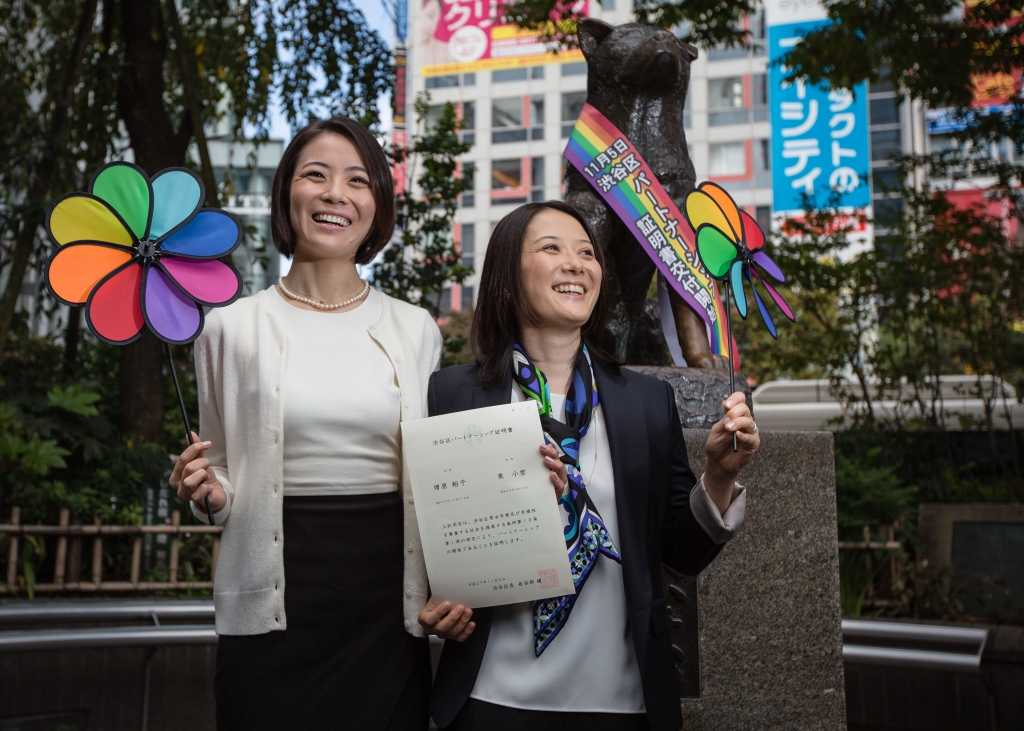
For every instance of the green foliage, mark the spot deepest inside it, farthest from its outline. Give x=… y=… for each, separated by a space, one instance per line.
x=59 y=444
x=870 y=493
x=854 y=580
x=416 y=266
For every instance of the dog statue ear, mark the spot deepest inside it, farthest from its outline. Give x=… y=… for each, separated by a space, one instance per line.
x=690 y=51
x=590 y=33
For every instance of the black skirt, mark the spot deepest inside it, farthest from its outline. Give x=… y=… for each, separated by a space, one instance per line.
x=345 y=660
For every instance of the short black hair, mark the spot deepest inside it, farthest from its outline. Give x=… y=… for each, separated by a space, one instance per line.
x=377 y=169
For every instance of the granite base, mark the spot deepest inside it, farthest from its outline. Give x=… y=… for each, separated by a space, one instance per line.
x=769 y=640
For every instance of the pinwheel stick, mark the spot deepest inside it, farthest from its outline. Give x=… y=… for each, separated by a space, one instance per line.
x=732 y=367
x=188 y=429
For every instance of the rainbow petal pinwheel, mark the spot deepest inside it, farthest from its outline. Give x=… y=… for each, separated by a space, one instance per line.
x=139 y=251
x=731 y=247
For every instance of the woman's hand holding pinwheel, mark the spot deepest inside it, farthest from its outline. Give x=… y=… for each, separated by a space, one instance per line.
x=723 y=463
x=193 y=479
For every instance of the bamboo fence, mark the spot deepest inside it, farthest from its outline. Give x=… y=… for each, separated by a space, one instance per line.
x=889 y=573
x=67 y=559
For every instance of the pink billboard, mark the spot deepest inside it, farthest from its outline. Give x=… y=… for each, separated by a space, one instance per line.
x=456 y=36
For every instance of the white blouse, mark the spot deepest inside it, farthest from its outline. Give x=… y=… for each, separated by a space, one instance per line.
x=342 y=404
x=591 y=665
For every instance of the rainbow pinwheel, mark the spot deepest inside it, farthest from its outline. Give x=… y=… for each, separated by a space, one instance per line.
x=140 y=251
x=731 y=247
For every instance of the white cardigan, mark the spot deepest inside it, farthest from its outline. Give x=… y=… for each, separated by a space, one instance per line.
x=240 y=362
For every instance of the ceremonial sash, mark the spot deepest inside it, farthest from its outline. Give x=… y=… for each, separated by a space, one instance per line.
x=621 y=176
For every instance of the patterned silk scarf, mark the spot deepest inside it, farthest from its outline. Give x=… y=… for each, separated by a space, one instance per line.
x=586 y=536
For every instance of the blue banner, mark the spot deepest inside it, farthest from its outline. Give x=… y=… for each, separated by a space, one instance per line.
x=819 y=138
x=402 y=20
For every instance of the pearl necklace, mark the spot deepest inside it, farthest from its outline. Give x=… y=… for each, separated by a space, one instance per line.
x=321 y=305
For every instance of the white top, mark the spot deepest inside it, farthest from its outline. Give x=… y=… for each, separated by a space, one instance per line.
x=342 y=404
x=591 y=665
x=241 y=359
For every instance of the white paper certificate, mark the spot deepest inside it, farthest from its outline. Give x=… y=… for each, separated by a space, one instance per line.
x=489 y=522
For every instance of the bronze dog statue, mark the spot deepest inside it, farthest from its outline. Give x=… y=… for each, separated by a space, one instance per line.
x=637 y=76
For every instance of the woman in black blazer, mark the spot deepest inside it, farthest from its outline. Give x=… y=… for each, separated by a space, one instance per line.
x=600 y=659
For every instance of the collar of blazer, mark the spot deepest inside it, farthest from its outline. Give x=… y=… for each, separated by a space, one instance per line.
x=627 y=440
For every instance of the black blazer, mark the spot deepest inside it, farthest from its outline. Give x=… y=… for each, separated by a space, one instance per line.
x=652 y=496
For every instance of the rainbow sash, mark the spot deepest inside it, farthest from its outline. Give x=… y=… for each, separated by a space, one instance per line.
x=619 y=174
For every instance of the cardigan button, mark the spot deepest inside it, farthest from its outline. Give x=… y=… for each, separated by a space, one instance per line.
x=407 y=625
x=408 y=593
x=410 y=500
x=397 y=359
x=408 y=548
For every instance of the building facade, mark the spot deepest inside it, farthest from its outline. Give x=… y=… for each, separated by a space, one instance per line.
x=519 y=111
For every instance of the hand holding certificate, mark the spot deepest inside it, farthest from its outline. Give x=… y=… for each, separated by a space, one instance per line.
x=490 y=528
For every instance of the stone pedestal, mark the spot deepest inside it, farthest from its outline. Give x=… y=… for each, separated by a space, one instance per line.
x=699 y=392
x=767 y=653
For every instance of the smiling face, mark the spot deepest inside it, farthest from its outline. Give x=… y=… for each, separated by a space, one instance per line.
x=560 y=274
x=331 y=204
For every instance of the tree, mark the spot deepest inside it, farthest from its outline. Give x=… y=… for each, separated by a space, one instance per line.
x=160 y=72
x=416 y=266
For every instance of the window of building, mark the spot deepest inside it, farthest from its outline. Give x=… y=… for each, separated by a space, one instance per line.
x=885 y=81
x=537 y=110
x=506 y=174
x=720 y=53
x=468 y=196
x=757 y=24
x=502 y=75
x=444 y=301
x=763 y=216
x=887 y=211
x=884 y=111
x=938 y=143
x=450 y=80
x=725 y=93
x=537 y=117
x=885 y=180
x=577 y=68
x=885 y=143
x=442 y=82
x=467 y=298
x=537 y=179
x=469 y=122
x=728 y=158
x=507 y=120
x=572 y=105
x=467 y=246
x=520 y=74
x=759 y=90
x=725 y=101
x=433 y=116
x=762 y=156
